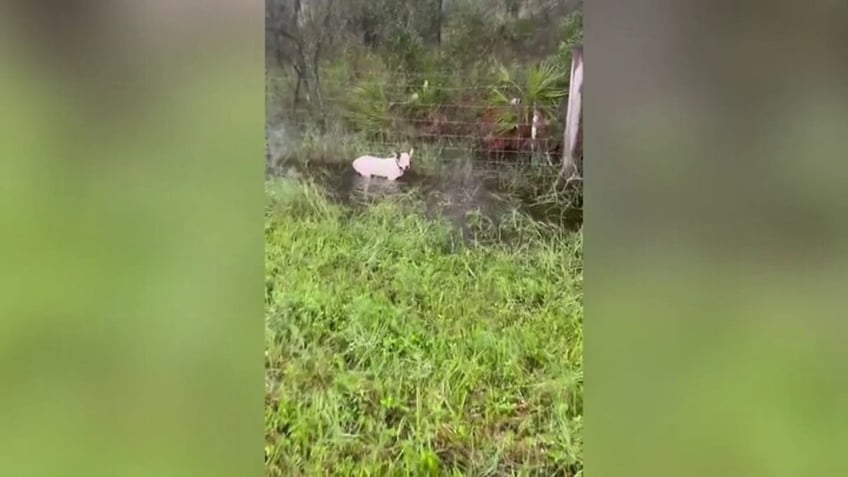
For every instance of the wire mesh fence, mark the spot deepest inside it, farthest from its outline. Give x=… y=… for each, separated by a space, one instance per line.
x=481 y=123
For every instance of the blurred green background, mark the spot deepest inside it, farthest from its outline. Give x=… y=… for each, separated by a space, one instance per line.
x=131 y=188
x=715 y=238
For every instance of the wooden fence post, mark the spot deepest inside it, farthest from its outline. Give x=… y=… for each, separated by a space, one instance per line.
x=572 y=136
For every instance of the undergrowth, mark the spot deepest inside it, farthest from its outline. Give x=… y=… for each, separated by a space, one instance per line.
x=395 y=348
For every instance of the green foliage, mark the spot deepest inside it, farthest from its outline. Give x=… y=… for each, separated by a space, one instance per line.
x=426 y=98
x=572 y=29
x=519 y=30
x=404 y=51
x=571 y=32
x=392 y=348
x=375 y=109
x=387 y=80
x=545 y=86
x=369 y=108
x=470 y=35
x=542 y=87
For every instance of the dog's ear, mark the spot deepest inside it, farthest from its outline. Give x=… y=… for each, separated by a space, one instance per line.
x=411 y=150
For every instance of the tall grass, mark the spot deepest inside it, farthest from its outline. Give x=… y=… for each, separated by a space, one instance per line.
x=394 y=348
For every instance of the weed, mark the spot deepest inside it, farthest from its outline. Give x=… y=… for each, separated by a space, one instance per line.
x=393 y=348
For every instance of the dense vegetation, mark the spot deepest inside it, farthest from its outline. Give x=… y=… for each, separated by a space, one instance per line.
x=359 y=74
x=394 y=348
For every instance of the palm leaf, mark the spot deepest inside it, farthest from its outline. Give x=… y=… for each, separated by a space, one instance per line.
x=368 y=107
x=545 y=83
x=498 y=98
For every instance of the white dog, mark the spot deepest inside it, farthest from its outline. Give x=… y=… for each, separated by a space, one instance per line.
x=390 y=167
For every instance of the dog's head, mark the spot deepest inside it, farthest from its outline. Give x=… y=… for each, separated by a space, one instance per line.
x=404 y=159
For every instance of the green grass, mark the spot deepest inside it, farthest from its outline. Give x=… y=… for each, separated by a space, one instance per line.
x=393 y=348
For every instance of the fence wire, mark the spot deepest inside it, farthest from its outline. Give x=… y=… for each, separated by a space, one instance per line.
x=469 y=124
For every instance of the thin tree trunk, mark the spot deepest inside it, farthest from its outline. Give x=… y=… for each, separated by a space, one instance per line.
x=316 y=58
x=296 y=98
x=439 y=24
x=572 y=136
